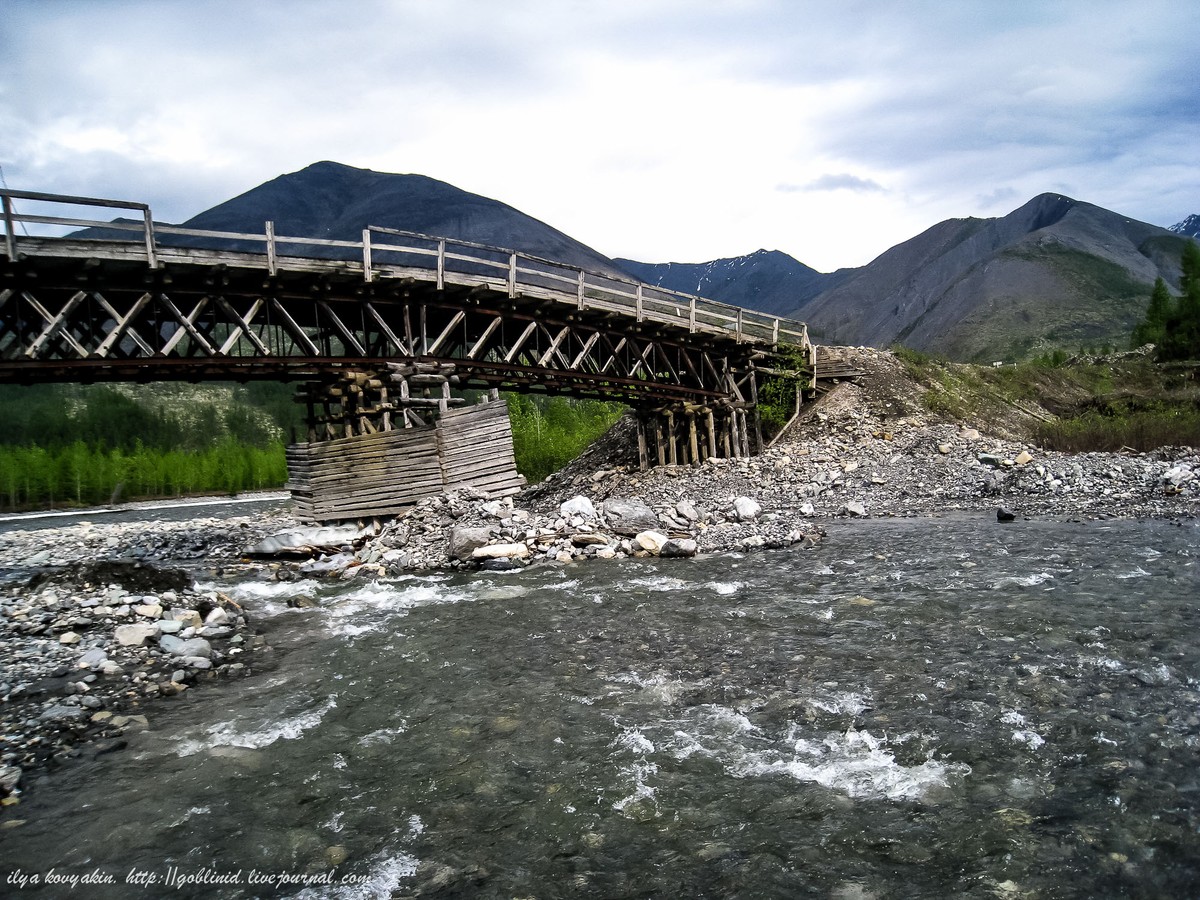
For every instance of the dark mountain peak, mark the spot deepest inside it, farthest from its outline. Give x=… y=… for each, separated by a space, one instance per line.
x=1189 y=227
x=1043 y=211
x=1055 y=271
x=332 y=200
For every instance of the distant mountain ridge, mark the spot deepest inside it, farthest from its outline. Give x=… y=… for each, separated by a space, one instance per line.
x=1189 y=227
x=765 y=280
x=1056 y=272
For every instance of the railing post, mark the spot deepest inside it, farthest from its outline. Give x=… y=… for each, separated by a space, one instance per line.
x=367 y=255
x=512 y=276
x=441 y=272
x=10 y=233
x=639 y=303
x=739 y=325
x=151 y=254
x=692 y=316
x=775 y=332
x=269 y=230
x=581 y=303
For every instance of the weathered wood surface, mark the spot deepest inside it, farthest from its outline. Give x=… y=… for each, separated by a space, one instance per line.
x=448 y=262
x=381 y=474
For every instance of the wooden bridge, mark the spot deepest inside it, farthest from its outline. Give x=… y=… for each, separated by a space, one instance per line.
x=379 y=331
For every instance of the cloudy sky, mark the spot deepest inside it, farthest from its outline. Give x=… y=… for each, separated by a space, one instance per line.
x=662 y=130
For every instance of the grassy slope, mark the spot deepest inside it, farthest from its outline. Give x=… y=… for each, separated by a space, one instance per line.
x=1087 y=403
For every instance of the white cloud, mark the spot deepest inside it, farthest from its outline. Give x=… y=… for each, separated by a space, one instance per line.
x=667 y=129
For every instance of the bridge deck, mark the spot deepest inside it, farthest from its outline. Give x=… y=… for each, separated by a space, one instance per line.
x=141 y=301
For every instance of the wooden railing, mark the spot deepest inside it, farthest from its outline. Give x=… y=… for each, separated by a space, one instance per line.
x=388 y=253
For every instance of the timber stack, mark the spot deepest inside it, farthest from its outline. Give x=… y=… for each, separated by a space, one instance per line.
x=371 y=454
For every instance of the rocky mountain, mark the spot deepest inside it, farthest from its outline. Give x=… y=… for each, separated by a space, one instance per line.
x=335 y=201
x=765 y=280
x=1056 y=272
x=1189 y=227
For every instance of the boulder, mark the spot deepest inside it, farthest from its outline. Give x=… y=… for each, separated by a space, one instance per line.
x=677 y=548
x=184 y=648
x=135 y=635
x=189 y=618
x=464 y=540
x=1177 y=476
x=589 y=539
x=854 y=509
x=629 y=517
x=746 y=509
x=308 y=541
x=92 y=659
x=687 y=511
x=10 y=777
x=217 y=617
x=578 y=506
x=650 y=541
x=498 y=551
x=497 y=509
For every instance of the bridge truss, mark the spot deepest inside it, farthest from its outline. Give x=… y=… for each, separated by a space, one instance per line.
x=377 y=330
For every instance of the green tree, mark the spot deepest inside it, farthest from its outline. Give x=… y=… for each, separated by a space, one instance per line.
x=1152 y=329
x=1175 y=327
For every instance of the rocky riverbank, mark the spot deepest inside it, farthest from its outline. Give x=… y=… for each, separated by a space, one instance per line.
x=97 y=620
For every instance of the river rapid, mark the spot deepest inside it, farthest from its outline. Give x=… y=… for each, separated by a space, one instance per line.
x=915 y=708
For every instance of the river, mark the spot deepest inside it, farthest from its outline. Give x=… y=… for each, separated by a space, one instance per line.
x=916 y=708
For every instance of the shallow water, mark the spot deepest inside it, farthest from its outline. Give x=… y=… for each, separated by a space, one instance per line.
x=916 y=708
x=145 y=511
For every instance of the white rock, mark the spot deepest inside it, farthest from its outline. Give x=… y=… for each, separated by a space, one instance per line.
x=746 y=509
x=135 y=635
x=69 y=637
x=217 y=617
x=650 y=541
x=1178 y=475
x=497 y=551
x=149 y=610
x=578 y=506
